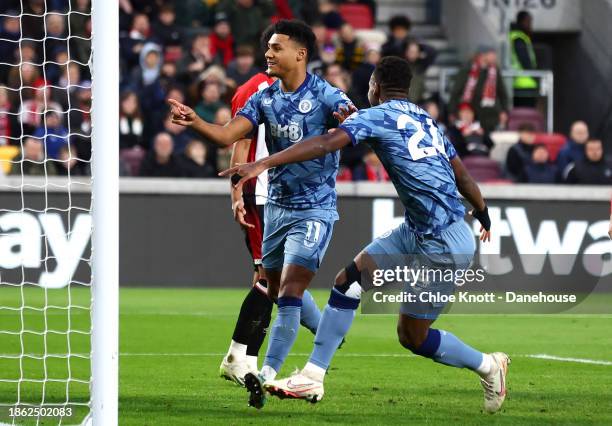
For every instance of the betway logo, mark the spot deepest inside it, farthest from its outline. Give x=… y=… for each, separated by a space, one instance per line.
x=533 y=248
x=21 y=244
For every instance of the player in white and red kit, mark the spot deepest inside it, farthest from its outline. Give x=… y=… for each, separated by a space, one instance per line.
x=247 y=206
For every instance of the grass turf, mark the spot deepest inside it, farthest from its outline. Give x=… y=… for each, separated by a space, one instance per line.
x=172 y=341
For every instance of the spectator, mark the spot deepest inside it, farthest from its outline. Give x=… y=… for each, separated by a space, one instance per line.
x=321 y=35
x=210 y=103
x=149 y=88
x=573 y=149
x=68 y=85
x=433 y=109
x=150 y=65
x=467 y=136
x=56 y=69
x=539 y=169
x=32 y=110
x=160 y=161
x=130 y=122
x=360 y=80
x=247 y=18
x=32 y=160
x=420 y=57
x=223 y=156
x=399 y=26
x=349 y=49
x=69 y=162
x=180 y=134
x=328 y=9
x=593 y=169
x=480 y=84
x=32 y=19
x=519 y=154
x=80 y=26
x=138 y=36
x=9 y=36
x=56 y=34
x=195 y=163
x=241 y=69
x=196 y=61
x=167 y=31
x=327 y=57
x=221 y=40
x=315 y=63
x=7 y=120
x=337 y=77
x=53 y=134
x=522 y=57
x=168 y=75
x=25 y=75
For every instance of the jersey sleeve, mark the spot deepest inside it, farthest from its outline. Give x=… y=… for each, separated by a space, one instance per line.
x=252 y=110
x=360 y=126
x=451 y=152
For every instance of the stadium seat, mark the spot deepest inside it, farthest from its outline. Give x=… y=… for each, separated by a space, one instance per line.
x=519 y=116
x=358 y=15
x=7 y=153
x=483 y=169
x=553 y=142
x=133 y=157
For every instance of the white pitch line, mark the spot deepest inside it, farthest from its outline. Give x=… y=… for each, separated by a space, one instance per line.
x=356 y=355
x=382 y=355
x=566 y=359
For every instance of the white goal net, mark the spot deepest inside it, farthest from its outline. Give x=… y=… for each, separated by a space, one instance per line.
x=46 y=291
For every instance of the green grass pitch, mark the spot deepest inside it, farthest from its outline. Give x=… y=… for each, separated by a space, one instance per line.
x=172 y=341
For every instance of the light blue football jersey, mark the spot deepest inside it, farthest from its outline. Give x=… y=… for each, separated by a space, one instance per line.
x=416 y=155
x=290 y=118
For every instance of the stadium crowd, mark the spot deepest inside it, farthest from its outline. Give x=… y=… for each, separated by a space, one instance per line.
x=198 y=52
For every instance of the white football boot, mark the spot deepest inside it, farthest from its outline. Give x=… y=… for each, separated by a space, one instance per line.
x=234 y=369
x=494 y=385
x=296 y=386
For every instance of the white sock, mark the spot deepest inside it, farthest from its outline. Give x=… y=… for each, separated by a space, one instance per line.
x=486 y=366
x=268 y=373
x=314 y=372
x=252 y=362
x=237 y=350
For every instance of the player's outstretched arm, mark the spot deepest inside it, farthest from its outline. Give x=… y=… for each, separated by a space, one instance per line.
x=219 y=135
x=315 y=147
x=470 y=190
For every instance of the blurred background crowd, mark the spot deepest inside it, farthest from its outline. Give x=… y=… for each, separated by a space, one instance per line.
x=199 y=51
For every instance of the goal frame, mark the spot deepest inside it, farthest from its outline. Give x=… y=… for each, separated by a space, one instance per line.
x=105 y=211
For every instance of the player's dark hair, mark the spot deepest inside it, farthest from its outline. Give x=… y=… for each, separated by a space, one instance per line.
x=265 y=37
x=393 y=74
x=297 y=31
x=400 y=21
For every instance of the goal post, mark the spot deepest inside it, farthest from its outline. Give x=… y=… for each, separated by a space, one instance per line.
x=105 y=212
x=59 y=212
